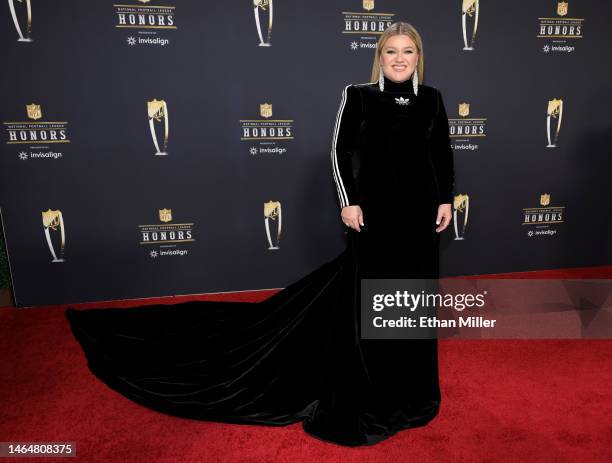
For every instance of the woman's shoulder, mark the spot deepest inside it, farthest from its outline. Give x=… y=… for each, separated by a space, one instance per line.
x=354 y=90
x=352 y=87
x=359 y=89
x=360 y=85
x=429 y=89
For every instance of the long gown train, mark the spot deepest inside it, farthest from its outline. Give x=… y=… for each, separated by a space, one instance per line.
x=296 y=356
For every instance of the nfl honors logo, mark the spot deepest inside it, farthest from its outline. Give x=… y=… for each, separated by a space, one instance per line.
x=165 y=215
x=544 y=219
x=34 y=111
x=265 y=128
x=366 y=24
x=33 y=131
x=172 y=236
x=466 y=127
x=559 y=28
x=265 y=110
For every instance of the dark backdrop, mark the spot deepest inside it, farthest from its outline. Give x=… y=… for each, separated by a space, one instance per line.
x=90 y=80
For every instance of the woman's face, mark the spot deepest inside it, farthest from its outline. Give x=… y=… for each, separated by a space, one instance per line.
x=399 y=57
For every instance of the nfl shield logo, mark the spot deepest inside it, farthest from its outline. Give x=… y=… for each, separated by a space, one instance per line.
x=464 y=109
x=368 y=5
x=562 y=8
x=165 y=215
x=545 y=199
x=34 y=111
x=265 y=110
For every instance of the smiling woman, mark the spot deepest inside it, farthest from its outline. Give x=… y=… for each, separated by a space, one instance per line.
x=299 y=355
x=399 y=58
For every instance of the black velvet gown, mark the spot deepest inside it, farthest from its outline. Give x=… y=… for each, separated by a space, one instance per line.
x=298 y=356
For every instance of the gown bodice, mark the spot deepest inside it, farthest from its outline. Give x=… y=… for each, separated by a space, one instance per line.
x=392 y=147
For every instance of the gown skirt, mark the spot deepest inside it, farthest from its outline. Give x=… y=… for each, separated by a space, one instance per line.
x=296 y=356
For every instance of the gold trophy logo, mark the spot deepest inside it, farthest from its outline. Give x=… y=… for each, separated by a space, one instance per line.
x=368 y=5
x=562 y=8
x=34 y=111
x=469 y=8
x=165 y=215
x=555 y=111
x=51 y=220
x=464 y=109
x=158 y=110
x=265 y=110
x=272 y=211
x=263 y=5
x=461 y=205
x=28 y=24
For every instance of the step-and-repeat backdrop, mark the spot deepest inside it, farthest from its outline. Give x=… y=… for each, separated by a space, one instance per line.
x=164 y=147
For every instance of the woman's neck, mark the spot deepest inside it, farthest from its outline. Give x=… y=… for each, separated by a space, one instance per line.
x=405 y=86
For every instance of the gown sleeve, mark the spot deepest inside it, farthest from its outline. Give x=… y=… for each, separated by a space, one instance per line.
x=344 y=152
x=442 y=154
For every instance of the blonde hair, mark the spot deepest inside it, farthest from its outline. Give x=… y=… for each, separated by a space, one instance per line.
x=398 y=28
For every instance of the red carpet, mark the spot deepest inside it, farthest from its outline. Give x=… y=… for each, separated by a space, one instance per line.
x=503 y=401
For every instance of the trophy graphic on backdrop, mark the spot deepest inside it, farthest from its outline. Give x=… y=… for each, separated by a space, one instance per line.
x=263 y=5
x=272 y=211
x=461 y=205
x=158 y=110
x=51 y=220
x=469 y=8
x=28 y=24
x=555 y=108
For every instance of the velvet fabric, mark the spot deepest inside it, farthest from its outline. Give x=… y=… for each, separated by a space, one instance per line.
x=298 y=356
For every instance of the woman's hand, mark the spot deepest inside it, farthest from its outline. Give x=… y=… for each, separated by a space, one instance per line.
x=444 y=216
x=352 y=216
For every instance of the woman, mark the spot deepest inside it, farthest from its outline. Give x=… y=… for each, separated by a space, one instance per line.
x=298 y=355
